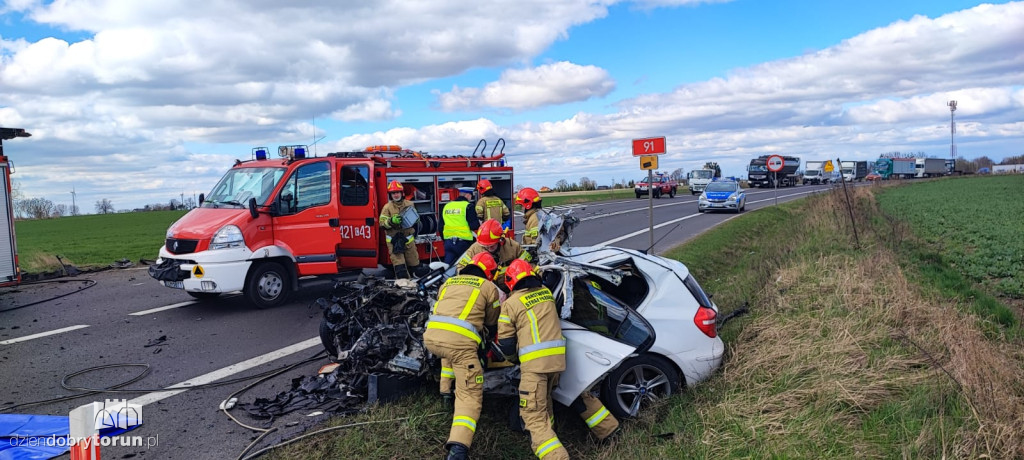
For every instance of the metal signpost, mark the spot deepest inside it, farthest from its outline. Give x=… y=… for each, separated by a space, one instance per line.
x=648 y=149
x=775 y=164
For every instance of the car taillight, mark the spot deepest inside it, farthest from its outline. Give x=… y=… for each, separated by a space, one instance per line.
x=706 y=319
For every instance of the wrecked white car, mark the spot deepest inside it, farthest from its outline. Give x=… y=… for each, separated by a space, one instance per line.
x=638 y=328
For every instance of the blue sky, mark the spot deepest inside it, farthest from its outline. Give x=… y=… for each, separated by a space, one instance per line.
x=139 y=102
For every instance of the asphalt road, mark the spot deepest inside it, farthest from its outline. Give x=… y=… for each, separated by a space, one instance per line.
x=124 y=317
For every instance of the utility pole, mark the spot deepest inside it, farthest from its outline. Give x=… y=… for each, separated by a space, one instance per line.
x=74 y=207
x=952 y=130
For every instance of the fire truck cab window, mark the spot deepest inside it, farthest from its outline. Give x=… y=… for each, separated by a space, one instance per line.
x=355 y=185
x=240 y=184
x=308 y=186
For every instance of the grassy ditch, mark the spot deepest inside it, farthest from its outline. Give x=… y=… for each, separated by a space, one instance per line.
x=849 y=351
x=91 y=240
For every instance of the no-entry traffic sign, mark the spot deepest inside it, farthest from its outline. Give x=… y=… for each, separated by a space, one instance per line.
x=649 y=146
x=775 y=163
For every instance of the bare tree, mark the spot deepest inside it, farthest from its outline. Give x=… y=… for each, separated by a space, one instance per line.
x=60 y=210
x=38 y=208
x=562 y=185
x=104 y=206
x=587 y=184
x=1014 y=160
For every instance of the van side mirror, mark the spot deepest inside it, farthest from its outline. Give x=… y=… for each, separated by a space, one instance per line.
x=202 y=198
x=252 y=208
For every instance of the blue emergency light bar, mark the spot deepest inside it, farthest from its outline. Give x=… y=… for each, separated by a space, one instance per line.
x=300 y=152
x=260 y=153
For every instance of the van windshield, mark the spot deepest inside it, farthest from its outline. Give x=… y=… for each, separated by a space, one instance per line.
x=240 y=184
x=701 y=174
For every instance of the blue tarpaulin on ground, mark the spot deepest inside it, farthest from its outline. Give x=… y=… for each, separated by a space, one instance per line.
x=38 y=437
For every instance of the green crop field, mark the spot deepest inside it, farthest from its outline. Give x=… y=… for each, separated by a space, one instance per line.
x=975 y=223
x=92 y=240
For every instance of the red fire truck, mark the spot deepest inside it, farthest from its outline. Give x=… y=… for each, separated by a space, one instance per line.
x=269 y=222
x=9 y=273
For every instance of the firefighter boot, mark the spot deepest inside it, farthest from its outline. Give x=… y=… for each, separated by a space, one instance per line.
x=401 y=271
x=457 y=451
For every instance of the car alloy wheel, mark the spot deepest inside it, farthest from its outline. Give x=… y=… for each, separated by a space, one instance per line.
x=638 y=382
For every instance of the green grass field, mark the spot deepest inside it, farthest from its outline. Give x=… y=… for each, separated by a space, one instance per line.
x=92 y=240
x=976 y=224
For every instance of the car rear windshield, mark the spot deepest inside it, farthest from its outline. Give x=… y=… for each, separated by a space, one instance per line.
x=698 y=293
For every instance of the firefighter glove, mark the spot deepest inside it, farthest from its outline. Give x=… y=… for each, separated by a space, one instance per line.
x=398 y=244
x=396 y=219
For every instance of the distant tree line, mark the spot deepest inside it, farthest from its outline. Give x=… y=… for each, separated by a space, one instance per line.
x=42 y=208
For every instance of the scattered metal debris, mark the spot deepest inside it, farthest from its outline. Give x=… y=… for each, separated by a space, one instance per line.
x=373 y=330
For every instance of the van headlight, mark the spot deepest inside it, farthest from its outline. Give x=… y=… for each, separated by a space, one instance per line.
x=229 y=236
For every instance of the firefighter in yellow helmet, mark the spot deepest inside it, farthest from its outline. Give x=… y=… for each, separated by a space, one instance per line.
x=489 y=206
x=467 y=304
x=491 y=239
x=530 y=330
x=400 y=239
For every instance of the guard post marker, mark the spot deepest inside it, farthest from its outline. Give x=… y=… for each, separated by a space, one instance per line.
x=82 y=421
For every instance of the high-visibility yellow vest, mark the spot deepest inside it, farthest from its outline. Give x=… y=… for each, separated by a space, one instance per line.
x=455 y=224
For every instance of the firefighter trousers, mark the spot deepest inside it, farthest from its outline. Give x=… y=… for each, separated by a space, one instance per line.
x=447 y=376
x=469 y=389
x=601 y=422
x=409 y=257
x=537 y=411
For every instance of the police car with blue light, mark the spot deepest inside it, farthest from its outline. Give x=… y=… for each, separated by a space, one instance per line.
x=722 y=195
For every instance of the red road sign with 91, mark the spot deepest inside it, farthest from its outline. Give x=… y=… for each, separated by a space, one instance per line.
x=649 y=146
x=775 y=163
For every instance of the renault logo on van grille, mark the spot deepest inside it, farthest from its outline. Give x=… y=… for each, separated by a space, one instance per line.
x=176 y=246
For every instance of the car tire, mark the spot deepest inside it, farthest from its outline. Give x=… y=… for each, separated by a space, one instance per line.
x=327 y=339
x=268 y=285
x=639 y=381
x=672 y=193
x=203 y=295
x=638 y=196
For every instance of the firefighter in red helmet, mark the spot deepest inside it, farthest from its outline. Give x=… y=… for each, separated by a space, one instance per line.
x=461 y=327
x=530 y=200
x=490 y=206
x=530 y=331
x=491 y=239
x=400 y=236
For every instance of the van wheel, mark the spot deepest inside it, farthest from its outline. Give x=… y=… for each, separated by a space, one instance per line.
x=637 y=382
x=268 y=285
x=672 y=193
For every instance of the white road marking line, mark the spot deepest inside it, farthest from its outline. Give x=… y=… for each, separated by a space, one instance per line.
x=165 y=307
x=150 y=398
x=43 y=334
x=640 y=232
